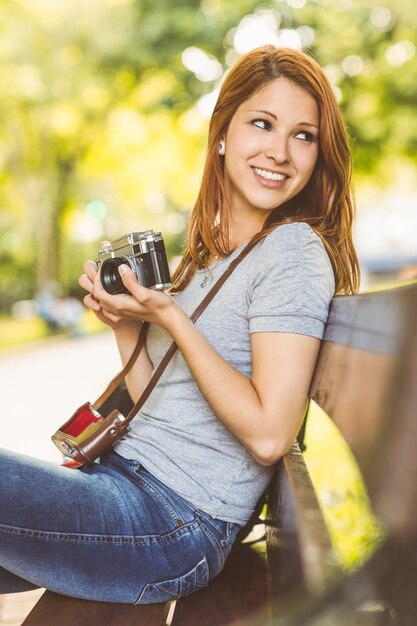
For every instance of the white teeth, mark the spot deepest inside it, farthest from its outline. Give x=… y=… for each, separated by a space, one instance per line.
x=269 y=175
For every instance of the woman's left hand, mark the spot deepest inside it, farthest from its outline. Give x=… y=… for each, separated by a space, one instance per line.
x=149 y=305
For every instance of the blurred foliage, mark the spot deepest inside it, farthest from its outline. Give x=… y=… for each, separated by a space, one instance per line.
x=354 y=530
x=100 y=132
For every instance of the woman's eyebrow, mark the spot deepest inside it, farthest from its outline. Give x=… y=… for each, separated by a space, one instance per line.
x=275 y=117
x=263 y=112
x=308 y=124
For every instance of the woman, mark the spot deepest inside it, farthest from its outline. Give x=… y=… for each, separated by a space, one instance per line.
x=156 y=517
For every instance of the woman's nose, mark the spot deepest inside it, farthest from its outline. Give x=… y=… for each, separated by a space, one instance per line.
x=278 y=151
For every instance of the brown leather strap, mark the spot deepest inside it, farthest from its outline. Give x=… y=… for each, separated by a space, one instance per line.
x=198 y=311
x=112 y=386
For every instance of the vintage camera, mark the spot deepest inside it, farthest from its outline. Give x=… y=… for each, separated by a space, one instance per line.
x=87 y=434
x=144 y=252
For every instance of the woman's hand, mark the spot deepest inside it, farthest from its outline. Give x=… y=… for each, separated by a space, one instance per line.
x=87 y=282
x=141 y=304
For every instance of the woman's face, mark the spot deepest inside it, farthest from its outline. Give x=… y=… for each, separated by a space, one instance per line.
x=271 y=148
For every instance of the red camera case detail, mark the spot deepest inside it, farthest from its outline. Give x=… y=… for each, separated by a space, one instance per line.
x=87 y=434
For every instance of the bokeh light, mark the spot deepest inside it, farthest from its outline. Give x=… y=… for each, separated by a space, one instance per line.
x=381 y=18
x=254 y=31
x=296 y=4
x=353 y=65
x=205 y=67
x=206 y=103
x=399 y=53
x=11 y=241
x=96 y=209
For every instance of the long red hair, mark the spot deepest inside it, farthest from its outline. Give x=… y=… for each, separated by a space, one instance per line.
x=326 y=203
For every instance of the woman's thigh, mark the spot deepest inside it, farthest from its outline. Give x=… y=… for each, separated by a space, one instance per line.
x=107 y=532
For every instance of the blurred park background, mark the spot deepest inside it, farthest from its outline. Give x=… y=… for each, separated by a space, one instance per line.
x=104 y=108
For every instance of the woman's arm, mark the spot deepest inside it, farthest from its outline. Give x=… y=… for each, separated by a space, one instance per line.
x=141 y=371
x=264 y=412
x=126 y=333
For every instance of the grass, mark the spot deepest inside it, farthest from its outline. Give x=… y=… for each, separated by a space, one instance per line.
x=23 y=333
x=14 y=333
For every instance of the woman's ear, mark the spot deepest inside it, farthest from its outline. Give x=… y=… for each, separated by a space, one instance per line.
x=222 y=147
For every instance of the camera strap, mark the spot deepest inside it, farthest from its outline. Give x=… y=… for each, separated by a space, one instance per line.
x=173 y=347
x=118 y=379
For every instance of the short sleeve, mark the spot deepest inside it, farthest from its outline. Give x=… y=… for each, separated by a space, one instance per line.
x=293 y=283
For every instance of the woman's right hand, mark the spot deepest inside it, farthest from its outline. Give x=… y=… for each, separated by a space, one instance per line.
x=87 y=282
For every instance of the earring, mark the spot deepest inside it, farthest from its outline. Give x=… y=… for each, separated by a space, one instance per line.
x=222 y=147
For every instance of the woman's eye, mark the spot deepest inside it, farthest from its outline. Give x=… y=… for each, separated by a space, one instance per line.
x=304 y=135
x=262 y=124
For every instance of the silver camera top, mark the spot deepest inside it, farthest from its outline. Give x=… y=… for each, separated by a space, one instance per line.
x=139 y=239
x=144 y=251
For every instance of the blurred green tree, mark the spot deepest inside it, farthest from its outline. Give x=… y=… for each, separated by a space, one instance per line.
x=99 y=129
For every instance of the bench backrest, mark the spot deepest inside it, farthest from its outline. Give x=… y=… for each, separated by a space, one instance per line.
x=366 y=381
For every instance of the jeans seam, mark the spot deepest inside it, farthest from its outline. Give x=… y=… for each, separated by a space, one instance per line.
x=155 y=492
x=54 y=536
x=228 y=539
x=212 y=538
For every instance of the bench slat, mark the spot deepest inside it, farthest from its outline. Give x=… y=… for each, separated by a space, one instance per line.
x=238 y=592
x=351 y=386
x=300 y=553
x=55 y=610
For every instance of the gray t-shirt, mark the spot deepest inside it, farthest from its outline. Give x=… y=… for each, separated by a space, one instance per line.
x=285 y=284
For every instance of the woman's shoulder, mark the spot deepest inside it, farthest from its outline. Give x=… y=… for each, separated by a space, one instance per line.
x=297 y=232
x=298 y=246
x=294 y=238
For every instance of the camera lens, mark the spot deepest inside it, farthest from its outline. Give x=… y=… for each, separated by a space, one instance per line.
x=110 y=277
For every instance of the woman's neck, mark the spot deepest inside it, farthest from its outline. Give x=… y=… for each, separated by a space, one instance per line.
x=241 y=231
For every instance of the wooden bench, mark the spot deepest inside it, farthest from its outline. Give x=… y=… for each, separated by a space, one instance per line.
x=366 y=381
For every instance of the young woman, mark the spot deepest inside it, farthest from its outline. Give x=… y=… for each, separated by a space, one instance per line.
x=156 y=517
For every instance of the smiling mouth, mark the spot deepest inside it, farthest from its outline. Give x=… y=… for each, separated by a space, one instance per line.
x=267 y=175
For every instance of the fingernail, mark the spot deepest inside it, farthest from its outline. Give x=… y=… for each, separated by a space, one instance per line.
x=123 y=269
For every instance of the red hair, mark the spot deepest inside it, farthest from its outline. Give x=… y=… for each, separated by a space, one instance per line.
x=326 y=203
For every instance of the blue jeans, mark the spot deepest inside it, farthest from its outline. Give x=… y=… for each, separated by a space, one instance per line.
x=109 y=532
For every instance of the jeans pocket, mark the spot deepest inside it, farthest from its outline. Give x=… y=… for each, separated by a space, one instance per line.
x=176 y=587
x=231 y=534
x=224 y=533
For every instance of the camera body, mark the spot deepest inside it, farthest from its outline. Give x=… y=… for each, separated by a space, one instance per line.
x=144 y=252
